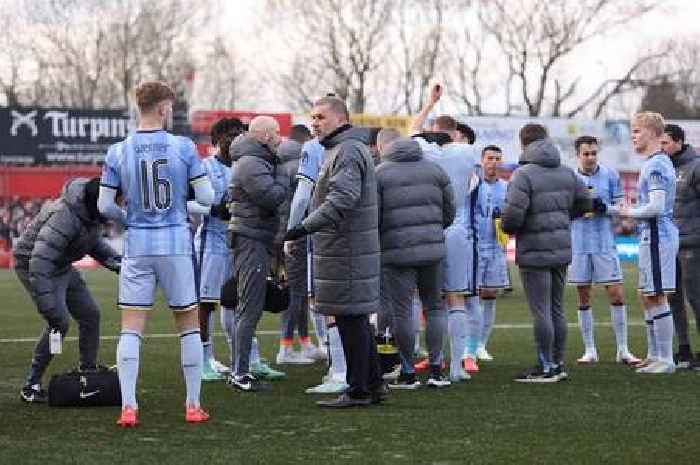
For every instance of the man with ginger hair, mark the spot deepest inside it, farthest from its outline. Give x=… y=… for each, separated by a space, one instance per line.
x=155 y=170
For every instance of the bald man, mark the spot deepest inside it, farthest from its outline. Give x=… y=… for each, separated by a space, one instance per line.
x=257 y=189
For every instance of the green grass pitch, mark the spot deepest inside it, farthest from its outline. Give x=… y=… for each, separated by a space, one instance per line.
x=604 y=414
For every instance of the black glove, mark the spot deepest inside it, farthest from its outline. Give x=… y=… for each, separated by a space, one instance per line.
x=221 y=211
x=295 y=233
x=496 y=213
x=599 y=206
x=116 y=264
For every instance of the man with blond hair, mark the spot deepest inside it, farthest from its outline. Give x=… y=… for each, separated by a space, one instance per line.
x=257 y=190
x=154 y=170
x=658 y=240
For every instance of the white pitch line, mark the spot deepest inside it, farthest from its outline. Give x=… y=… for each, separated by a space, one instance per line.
x=276 y=333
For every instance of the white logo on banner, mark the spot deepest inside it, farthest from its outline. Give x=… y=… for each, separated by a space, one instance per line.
x=19 y=120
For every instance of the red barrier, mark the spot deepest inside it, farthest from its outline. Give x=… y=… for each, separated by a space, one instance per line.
x=202 y=121
x=33 y=182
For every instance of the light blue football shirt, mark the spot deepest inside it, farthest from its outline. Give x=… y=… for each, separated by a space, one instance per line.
x=212 y=231
x=490 y=197
x=459 y=162
x=658 y=174
x=596 y=234
x=311 y=160
x=154 y=169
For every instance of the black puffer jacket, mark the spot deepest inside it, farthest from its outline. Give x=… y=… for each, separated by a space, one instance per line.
x=542 y=198
x=344 y=222
x=686 y=208
x=258 y=188
x=416 y=202
x=63 y=232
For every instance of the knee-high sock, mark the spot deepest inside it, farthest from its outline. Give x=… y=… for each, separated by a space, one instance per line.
x=338 y=367
x=651 y=336
x=191 y=357
x=228 y=324
x=663 y=330
x=618 y=316
x=457 y=329
x=585 y=324
x=417 y=307
x=254 y=351
x=128 y=351
x=473 y=328
x=319 y=323
x=488 y=307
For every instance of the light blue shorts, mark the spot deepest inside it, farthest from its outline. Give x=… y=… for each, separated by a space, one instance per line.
x=214 y=271
x=460 y=263
x=492 y=272
x=657 y=268
x=598 y=268
x=174 y=274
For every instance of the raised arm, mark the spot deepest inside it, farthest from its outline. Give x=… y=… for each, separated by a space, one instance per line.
x=420 y=118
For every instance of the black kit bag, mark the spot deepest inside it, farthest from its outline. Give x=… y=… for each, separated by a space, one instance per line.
x=276 y=294
x=85 y=388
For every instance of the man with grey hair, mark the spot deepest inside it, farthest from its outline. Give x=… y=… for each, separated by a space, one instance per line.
x=343 y=221
x=416 y=204
x=256 y=191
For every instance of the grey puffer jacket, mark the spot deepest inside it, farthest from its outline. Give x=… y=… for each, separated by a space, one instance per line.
x=344 y=221
x=258 y=187
x=686 y=209
x=62 y=233
x=289 y=154
x=542 y=198
x=416 y=202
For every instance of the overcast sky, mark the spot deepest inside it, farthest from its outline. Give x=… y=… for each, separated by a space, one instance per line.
x=604 y=58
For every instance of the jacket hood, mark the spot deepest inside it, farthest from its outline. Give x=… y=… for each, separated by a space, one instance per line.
x=541 y=152
x=346 y=132
x=686 y=154
x=289 y=150
x=248 y=145
x=73 y=194
x=403 y=149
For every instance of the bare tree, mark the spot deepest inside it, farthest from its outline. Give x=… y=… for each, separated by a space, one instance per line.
x=421 y=48
x=224 y=81
x=535 y=36
x=344 y=43
x=89 y=53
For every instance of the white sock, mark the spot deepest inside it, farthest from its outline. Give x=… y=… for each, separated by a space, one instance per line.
x=651 y=337
x=191 y=357
x=457 y=330
x=254 y=352
x=585 y=324
x=228 y=324
x=206 y=351
x=488 y=307
x=663 y=330
x=319 y=323
x=473 y=325
x=335 y=347
x=417 y=307
x=128 y=351
x=618 y=316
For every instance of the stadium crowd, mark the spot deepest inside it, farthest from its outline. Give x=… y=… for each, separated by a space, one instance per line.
x=373 y=234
